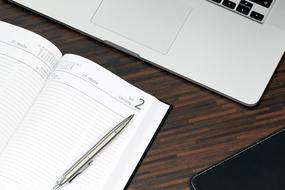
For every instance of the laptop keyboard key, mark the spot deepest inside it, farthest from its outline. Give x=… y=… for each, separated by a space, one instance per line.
x=264 y=3
x=229 y=4
x=217 y=1
x=246 y=3
x=243 y=9
x=256 y=15
x=251 y=9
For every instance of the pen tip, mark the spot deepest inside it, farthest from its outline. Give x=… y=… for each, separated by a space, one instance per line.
x=131 y=116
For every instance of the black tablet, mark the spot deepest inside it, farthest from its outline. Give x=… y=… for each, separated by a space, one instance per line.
x=258 y=167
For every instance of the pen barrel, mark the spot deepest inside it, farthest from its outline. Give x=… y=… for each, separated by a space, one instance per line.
x=84 y=162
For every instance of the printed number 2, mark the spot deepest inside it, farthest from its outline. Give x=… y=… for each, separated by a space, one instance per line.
x=140 y=104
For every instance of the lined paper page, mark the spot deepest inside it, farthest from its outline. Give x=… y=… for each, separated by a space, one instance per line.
x=79 y=105
x=26 y=60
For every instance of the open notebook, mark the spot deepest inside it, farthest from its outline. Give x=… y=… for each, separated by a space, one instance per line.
x=54 y=108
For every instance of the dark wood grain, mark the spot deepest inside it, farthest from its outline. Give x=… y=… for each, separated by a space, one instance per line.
x=203 y=127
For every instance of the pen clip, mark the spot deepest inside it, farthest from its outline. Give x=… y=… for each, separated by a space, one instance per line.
x=81 y=171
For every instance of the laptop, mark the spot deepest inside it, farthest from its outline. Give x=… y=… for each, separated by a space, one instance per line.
x=231 y=47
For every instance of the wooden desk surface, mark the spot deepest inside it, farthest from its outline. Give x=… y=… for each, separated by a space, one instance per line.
x=203 y=127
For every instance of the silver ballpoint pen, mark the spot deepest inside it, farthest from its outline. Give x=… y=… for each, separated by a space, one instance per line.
x=84 y=162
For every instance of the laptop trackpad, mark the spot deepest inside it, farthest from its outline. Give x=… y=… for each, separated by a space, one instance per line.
x=151 y=23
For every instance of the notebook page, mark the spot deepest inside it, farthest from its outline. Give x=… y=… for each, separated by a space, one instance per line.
x=26 y=60
x=134 y=150
x=79 y=104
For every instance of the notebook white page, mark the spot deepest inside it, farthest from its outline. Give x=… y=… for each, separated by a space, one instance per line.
x=26 y=60
x=79 y=104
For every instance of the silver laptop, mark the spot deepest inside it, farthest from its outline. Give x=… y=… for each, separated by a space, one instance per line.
x=231 y=47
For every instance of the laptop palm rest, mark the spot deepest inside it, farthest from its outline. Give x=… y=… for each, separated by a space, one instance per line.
x=277 y=18
x=154 y=24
